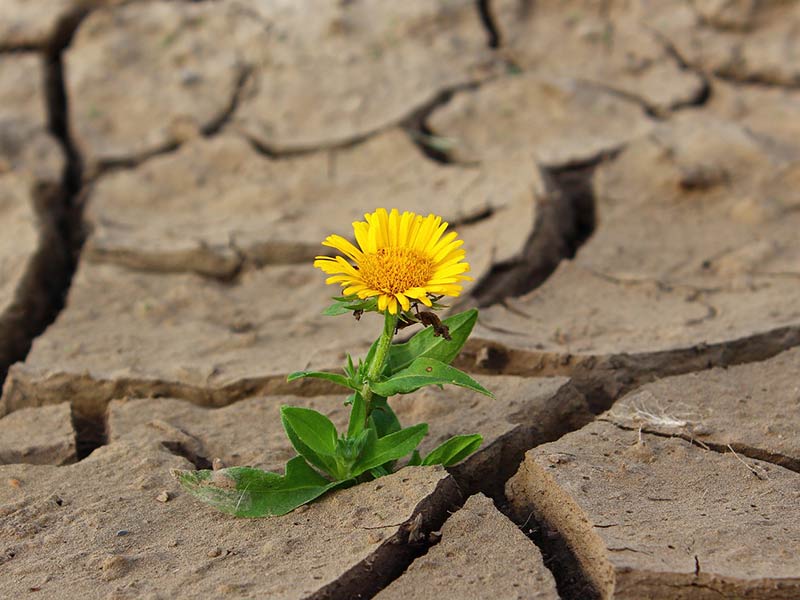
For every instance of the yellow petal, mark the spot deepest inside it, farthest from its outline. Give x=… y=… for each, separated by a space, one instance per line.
x=341 y=244
x=394 y=224
x=406 y=222
x=434 y=239
x=404 y=302
x=361 y=230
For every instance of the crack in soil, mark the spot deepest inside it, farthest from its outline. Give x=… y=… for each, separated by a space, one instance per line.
x=43 y=290
x=489 y=22
x=397 y=553
x=602 y=378
x=704 y=93
x=224 y=118
x=781 y=460
x=412 y=122
x=572 y=582
x=720 y=73
x=562 y=225
x=431 y=145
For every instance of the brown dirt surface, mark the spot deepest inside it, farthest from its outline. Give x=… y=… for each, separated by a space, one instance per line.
x=572 y=122
x=116 y=537
x=752 y=408
x=654 y=517
x=742 y=40
x=482 y=554
x=698 y=224
x=32 y=253
x=38 y=436
x=624 y=175
x=600 y=42
x=302 y=94
x=32 y=23
x=525 y=412
x=191 y=82
x=201 y=218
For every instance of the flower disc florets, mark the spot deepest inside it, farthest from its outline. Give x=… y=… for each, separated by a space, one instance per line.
x=400 y=258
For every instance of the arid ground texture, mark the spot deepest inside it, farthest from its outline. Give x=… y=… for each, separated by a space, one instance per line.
x=626 y=177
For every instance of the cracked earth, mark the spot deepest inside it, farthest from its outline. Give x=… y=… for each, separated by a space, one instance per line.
x=625 y=176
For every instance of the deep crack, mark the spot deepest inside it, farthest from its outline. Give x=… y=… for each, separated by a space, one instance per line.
x=563 y=223
x=90 y=432
x=42 y=292
x=493 y=38
x=396 y=554
x=571 y=581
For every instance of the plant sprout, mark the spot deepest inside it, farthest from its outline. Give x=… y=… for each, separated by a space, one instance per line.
x=403 y=266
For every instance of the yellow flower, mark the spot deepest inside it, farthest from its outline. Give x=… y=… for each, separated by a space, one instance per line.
x=401 y=258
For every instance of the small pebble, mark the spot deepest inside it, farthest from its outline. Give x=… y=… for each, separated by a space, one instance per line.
x=15 y=483
x=214 y=553
x=163 y=496
x=122 y=532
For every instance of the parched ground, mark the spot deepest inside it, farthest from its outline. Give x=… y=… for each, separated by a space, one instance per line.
x=626 y=177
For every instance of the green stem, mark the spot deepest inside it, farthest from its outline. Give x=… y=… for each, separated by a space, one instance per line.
x=375 y=369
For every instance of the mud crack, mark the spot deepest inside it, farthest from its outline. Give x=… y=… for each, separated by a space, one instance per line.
x=734 y=448
x=43 y=290
x=563 y=223
x=493 y=38
x=397 y=553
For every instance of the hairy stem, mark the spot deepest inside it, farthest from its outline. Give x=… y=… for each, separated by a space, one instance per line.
x=375 y=368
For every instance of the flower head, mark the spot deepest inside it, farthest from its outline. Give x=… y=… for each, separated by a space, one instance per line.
x=400 y=258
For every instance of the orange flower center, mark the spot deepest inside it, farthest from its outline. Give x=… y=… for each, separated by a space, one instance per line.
x=394 y=270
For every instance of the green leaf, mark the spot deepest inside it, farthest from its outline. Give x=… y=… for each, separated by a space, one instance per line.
x=336 y=309
x=346 y=304
x=334 y=377
x=415 y=459
x=379 y=451
x=425 y=344
x=383 y=417
x=381 y=471
x=454 y=450
x=358 y=416
x=313 y=428
x=248 y=492
x=313 y=436
x=426 y=371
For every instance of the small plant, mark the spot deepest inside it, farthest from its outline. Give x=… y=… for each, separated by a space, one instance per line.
x=404 y=265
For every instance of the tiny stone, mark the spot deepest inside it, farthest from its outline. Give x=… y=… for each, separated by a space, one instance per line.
x=217 y=464
x=122 y=532
x=14 y=483
x=163 y=496
x=214 y=553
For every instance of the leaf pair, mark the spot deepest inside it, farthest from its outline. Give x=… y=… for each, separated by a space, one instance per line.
x=424 y=344
x=314 y=437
